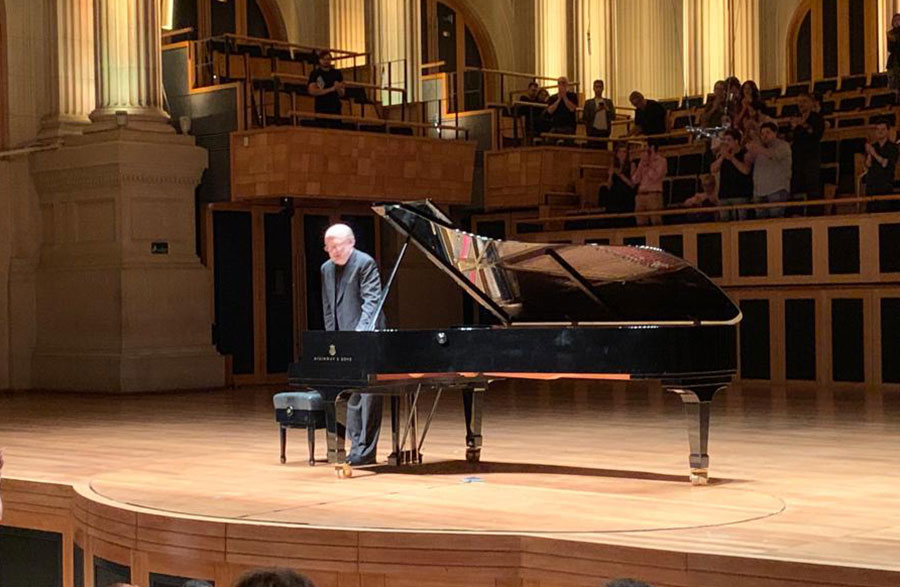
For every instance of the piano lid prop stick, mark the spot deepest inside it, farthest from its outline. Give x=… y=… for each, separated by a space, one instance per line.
x=387 y=286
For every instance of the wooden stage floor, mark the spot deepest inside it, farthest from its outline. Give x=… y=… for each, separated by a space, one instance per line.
x=803 y=474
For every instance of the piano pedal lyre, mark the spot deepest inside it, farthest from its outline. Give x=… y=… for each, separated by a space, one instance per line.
x=343 y=471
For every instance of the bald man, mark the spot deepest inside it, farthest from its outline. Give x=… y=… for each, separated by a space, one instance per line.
x=351 y=288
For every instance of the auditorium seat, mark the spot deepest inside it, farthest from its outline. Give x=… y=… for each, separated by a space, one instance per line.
x=827 y=108
x=850 y=104
x=692 y=102
x=768 y=94
x=820 y=87
x=878 y=80
x=690 y=164
x=681 y=189
x=853 y=82
x=789 y=110
x=794 y=90
x=881 y=100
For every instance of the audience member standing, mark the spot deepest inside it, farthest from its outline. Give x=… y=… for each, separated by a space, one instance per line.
x=561 y=109
x=754 y=117
x=771 y=159
x=806 y=150
x=715 y=107
x=649 y=116
x=620 y=189
x=273 y=577
x=893 y=62
x=598 y=115
x=326 y=86
x=648 y=177
x=749 y=95
x=881 y=162
x=735 y=175
x=531 y=108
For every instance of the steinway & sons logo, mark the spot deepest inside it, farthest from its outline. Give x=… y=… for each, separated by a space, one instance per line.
x=332 y=356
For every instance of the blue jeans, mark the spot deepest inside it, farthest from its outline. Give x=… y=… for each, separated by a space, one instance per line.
x=731 y=215
x=779 y=196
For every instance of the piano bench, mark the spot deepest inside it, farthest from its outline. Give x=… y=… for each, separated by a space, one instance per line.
x=299 y=409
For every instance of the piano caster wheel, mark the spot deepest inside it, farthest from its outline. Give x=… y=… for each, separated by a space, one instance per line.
x=473 y=455
x=699 y=478
x=343 y=471
x=283 y=460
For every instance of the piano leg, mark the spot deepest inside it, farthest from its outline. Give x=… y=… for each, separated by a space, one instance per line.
x=473 y=399
x=335 y=429
x=696 y=410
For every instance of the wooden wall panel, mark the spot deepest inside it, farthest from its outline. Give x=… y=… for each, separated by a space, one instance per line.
x=520 y=178
x=318 y=164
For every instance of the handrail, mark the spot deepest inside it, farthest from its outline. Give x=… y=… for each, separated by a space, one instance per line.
x=348 y=83
x=518 y=74
x=433 y=64
x=690 y=210
x=177 y=32
x=378 y=121
x=344 y=54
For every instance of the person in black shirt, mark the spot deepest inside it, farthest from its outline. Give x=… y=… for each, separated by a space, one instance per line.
x=881 y=160
x=531 y=115
x=326 y=85
x=561 y=109
x=650 y=116
x=806 y=150
x=618 y=195
x=735 y=175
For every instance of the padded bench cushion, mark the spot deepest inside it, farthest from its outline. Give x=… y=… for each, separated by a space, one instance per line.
x=309 y=401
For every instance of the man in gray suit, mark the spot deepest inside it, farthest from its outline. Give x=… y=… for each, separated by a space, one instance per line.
x=351 y=288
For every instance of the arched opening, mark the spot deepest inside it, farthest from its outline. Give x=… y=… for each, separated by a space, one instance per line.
x=831 y=38
x=457 y=40
x=209 y=18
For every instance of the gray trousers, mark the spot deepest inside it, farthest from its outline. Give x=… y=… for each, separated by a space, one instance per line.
x=364 y=412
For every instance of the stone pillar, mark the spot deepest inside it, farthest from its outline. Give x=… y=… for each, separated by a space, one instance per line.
x=347 y=28
x=122 y=301
x=128 y=62
x=595 y=45
x=395 y=43
x=706 y=34
x=649 y=49
x=551 y=38
x=70 y=35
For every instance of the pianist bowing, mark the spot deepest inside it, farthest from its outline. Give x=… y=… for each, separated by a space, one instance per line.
x=351 y=288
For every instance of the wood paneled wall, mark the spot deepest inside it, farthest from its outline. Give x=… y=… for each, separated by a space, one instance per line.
x=320 y=164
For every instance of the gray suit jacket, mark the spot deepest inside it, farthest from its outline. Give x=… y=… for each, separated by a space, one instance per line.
x=356 y=297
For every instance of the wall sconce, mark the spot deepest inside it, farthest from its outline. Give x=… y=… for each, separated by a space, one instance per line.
x=184 y=122
x=121 y=117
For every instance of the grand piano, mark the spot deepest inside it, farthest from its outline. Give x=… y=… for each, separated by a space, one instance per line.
x=563 y=311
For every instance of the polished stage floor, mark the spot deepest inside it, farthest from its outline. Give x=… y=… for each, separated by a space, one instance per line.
x=799 y=474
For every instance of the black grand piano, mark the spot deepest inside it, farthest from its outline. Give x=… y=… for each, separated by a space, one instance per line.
x=564 y=311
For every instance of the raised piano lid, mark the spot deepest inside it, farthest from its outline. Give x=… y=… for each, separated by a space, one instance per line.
x=560 y=284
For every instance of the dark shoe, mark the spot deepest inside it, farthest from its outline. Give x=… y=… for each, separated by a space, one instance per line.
x=360 y=462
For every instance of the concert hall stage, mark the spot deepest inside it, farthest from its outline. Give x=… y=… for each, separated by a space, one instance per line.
x=580 y=482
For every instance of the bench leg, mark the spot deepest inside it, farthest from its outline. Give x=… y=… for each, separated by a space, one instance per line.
x=282 y=435
x=311 y=439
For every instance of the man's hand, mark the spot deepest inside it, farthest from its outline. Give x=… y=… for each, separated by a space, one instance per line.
x=870 y=150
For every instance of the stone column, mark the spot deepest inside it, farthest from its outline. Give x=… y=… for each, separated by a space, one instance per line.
x=70 y=35
x=706 y=33
x=128 y=62
x=551 y=38
x=394 y=35
x=122 y=302
x=595 y=45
